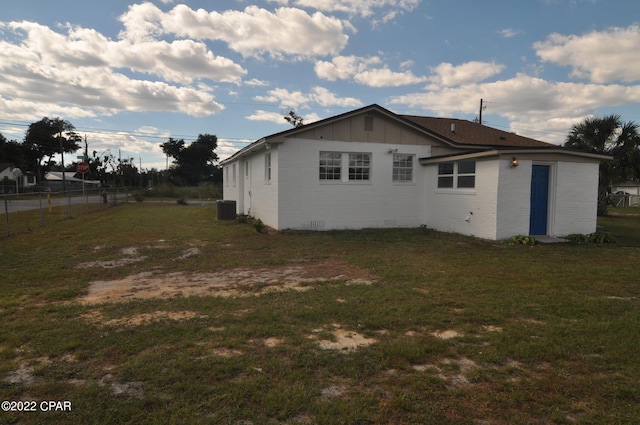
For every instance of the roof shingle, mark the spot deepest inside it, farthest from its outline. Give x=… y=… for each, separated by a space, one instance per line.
x=464 y=132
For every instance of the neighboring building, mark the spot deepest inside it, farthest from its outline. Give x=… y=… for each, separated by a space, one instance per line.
x=53 y=180
x=6 y=171
x=629 y=188
x=19 y=179
x=371 y=168
x=625 y=194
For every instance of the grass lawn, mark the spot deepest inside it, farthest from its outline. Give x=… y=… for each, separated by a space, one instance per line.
x=160 y=314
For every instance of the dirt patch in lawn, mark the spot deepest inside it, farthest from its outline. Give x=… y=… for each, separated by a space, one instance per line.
x=96 y=317
x=128 y=256
x=235 y=282
x=340 y=339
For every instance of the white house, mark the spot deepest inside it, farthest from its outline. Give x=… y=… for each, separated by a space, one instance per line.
x=630 y=188
x=20 y=179
x=372 y=168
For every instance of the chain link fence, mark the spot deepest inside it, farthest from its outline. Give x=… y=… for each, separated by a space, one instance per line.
x=27 y=211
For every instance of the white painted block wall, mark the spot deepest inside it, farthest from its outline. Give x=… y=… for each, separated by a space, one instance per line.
x=297 y=199
x=307 y=203
x=230 y=188
x=576 y=198
x=264 y=194
x=465 y=211
x=253 y=194
x=514 y=199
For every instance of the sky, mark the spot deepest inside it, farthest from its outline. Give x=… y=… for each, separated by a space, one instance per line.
x=130 y=74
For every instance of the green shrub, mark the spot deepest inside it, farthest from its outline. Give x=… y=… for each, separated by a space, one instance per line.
x=260 y=227
x=600 y=238
x=577 y=238
x=596 y=237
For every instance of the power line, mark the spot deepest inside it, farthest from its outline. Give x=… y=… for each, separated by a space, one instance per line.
x=114 y=133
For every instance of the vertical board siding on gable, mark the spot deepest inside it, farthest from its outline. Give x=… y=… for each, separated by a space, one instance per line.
x=352 y=130
x=305 y=201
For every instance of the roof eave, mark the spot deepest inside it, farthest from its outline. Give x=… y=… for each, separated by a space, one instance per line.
x=510 y=151
x=280 y=136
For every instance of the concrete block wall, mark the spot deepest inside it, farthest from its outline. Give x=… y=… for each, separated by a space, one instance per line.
x=466 y=211
x=497 y=208
x=576 y=198
x=514 y=198
x=230 y=187
x=308 y=203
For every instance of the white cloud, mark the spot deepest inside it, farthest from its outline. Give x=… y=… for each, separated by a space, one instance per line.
x=600 y=56
x=367 y=71
x=467 y=73
x=386 y=78
x=287 y=32
x=549 y=108
x=261 y=115
x=319 y=96
x=285 y=98
x=324 y=97
x=226 y=148
x=254 y=82
x=44 y=71
x=508 y=33
x=344 y=67
x=363 y=8
x=277 y=118
x=180 y=61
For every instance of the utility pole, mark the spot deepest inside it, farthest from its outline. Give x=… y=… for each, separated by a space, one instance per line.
x=480 y=115
x=64 y=180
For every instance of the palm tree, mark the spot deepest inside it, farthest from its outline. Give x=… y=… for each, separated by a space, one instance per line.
x=609 y=136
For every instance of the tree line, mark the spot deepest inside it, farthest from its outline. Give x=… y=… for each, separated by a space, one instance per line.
x=191 y=165
x=197 y=161
x=609 y=135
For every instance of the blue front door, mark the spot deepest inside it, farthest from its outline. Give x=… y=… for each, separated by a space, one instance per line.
x=539 y=200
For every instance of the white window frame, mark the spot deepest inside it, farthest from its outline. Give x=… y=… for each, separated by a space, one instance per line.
x=330 y=166
x=233 y=169
x=401 y=173
x=267 y=168
x=359 y=166
x=345 y=167
x=466 y=174
x=456 y=176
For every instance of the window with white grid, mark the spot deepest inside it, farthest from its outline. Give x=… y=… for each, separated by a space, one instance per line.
x=330 y=165
x=359 y=166
x=402 y=167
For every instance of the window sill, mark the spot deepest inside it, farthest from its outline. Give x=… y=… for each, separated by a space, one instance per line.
x=348 y=183
x=471 y=192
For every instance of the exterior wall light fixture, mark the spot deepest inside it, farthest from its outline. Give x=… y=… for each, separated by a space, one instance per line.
x=514 y=162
